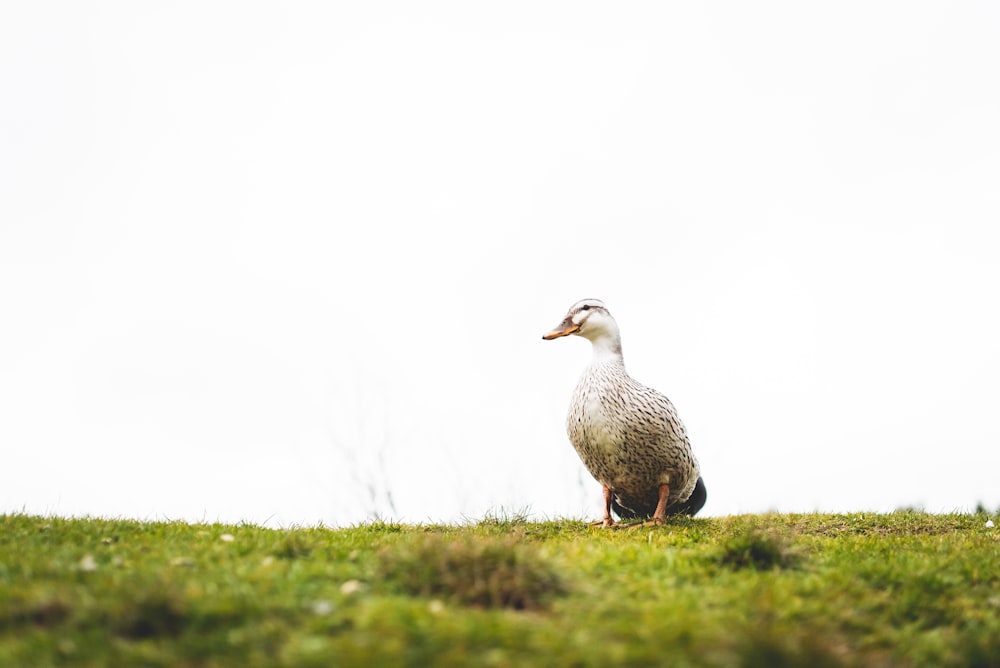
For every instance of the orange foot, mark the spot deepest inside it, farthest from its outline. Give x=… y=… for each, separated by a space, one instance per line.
x=654 y=522
x=606 y=523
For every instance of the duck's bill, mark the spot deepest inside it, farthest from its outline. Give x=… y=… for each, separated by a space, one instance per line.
x=565 y=329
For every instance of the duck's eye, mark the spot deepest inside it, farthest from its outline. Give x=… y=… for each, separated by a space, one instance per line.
x=585 y=307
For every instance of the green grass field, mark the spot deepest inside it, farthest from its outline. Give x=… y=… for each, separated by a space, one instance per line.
x=897 y=589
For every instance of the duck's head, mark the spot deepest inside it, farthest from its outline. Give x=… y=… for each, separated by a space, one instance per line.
x=588 y=318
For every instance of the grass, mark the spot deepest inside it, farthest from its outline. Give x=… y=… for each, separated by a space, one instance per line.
x=901 y=589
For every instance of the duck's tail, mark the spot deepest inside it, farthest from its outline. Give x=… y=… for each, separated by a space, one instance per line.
x=694 y=503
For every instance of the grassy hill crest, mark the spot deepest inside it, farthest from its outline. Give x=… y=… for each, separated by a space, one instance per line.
x=904 y=588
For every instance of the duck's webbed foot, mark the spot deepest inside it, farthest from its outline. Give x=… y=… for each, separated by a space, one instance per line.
x=652 y=522
x=606 y=524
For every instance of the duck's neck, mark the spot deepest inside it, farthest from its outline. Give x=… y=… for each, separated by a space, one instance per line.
x=608 y=350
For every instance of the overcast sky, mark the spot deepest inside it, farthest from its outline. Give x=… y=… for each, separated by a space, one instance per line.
x=290 y=263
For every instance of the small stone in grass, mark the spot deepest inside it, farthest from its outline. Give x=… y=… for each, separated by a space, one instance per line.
x=322 y=608
x=227 y=538
x=989 y=524
x=87 y=564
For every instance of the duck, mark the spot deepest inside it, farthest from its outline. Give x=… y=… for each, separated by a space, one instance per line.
x=628 y=435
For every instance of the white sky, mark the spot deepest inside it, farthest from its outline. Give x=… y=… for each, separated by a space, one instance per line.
x=291 y=262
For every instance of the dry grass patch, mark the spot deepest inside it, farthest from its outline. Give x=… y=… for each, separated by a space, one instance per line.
x=759 y=549
x=486 y=572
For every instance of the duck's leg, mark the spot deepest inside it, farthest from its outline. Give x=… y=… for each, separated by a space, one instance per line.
x=660 y=514
x=608 y=520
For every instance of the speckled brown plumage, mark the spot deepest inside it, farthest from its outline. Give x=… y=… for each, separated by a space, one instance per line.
x=628 y=435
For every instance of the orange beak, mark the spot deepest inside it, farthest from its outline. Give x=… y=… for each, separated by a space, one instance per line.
x=565 y=328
